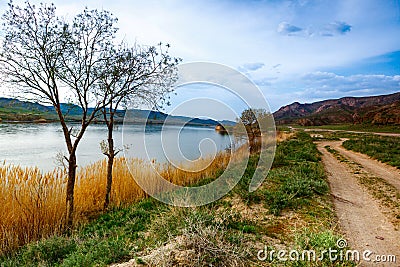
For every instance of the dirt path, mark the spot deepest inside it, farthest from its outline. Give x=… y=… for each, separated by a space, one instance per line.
x=375 y=167
x=360 y=216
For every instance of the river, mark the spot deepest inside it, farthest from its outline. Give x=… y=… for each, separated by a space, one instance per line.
x=29 y=144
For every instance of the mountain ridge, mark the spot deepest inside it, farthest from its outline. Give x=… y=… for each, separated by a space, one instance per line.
x=24 y=111
x=382 y=109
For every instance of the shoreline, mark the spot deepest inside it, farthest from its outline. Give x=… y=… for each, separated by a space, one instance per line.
x=100 y=122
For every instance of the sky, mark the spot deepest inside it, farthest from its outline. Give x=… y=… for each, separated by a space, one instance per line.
x=293 y=50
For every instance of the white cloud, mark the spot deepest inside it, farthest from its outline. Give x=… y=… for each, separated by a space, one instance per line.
x=316 y=86
x=330 y=29
x=325 y=81
x=322 y=85
x=336 y=28
x=231 y=32
x=288 y=29
x=251 y=67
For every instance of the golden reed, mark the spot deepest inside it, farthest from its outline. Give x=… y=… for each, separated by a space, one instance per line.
x=33 y=203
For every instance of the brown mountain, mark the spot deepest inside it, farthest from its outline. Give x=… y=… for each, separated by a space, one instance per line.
x=383 y=109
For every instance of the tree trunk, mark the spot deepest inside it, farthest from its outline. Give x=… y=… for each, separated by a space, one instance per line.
x=70 y=190
x=71 y=170
x=111 y=156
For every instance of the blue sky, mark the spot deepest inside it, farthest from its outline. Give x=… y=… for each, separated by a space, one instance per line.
x=294 y=50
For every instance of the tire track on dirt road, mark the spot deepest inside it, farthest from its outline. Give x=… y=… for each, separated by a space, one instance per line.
x=375 y=167
x=360 y=216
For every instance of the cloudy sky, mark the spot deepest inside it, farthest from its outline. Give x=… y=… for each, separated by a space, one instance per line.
x=294 y=50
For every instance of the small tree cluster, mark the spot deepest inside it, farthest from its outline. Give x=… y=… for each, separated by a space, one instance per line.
x=254 y=121
x=252 y=118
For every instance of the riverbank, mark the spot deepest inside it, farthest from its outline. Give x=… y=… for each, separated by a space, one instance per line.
x=292 y=210
x=33 y=202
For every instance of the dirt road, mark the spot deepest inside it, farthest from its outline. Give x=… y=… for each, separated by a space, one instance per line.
x=375 y=167
x=361 y=216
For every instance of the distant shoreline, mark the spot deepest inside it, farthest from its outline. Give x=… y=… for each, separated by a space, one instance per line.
x=116 y=123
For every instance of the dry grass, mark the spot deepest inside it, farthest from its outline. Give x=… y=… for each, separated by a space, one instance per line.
x=202 y=242
x=33 y=203
x=282 y=136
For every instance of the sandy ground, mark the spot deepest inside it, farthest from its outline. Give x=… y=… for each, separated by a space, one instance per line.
x=360 y=216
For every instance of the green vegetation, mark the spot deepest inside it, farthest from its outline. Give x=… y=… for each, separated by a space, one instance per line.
x=300 y=176
x=16 y=110
x=383 y=148
x=365 y=127
x=292 y=210
x=21 y=114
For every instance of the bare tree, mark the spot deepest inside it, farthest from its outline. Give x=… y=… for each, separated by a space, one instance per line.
x=136 y=75
x=83 y=66
x=42 y=53
x=251 y=119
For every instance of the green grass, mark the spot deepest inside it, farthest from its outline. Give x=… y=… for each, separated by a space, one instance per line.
x=103 y=241
x=382 y=148
x=299 y=178
x=298 y=149
x=356 y=127
x=217 y=234
x=318 y=242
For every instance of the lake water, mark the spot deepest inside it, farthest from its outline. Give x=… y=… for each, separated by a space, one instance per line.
x=38 y=144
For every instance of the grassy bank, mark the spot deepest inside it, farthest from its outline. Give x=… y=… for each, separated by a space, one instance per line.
x=292 y=210
x=382 y=148
x=33 y=203
x=355 y=127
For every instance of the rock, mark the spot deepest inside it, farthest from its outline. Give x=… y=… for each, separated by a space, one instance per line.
x=305 y=122
x=40 y=121
x=357 y=118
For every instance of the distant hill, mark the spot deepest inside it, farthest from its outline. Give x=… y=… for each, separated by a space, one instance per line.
x=22 y=105
x=16 y=110
x=158 y=117
x=383 y=109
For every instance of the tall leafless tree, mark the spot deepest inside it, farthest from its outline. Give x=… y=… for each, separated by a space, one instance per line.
x=48 y=59
x=136 y=75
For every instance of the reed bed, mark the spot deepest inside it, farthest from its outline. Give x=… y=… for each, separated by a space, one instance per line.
x=33 y=202
x=32 y=205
